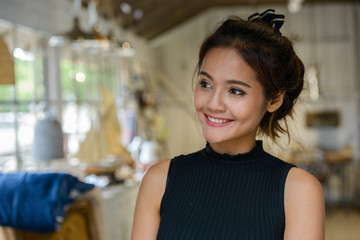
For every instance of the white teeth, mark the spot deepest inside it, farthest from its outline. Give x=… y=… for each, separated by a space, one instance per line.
x=215 y=120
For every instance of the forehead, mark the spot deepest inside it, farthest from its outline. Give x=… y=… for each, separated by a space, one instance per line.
x=227 y=63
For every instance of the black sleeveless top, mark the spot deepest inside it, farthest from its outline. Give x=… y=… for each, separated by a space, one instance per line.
x=224 y=197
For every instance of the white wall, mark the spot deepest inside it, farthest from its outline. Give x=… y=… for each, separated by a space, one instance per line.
x=176 y=55
x=328 y=39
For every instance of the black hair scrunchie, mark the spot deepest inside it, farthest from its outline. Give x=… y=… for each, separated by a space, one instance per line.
x=273 y=20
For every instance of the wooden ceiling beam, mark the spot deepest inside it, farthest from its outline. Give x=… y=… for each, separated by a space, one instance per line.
x=165 y=18
x=160 y=16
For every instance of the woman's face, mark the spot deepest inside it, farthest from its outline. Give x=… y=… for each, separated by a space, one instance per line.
x=229 y=101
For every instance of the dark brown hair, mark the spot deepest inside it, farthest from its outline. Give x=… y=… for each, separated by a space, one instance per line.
x=272 y=57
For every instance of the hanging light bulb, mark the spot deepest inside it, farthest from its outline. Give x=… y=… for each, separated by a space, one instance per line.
x=294 y=6
x=80 y=77
x=126 y=49
x=125 y=8
x=126 y=45
x=138 y=14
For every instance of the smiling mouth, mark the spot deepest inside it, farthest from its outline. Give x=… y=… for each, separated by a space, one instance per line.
x=217 y=120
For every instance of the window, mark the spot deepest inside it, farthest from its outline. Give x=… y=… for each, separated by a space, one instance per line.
x=65 y=81
x=22 y=104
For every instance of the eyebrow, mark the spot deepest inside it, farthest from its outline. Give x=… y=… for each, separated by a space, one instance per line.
x=231 y=81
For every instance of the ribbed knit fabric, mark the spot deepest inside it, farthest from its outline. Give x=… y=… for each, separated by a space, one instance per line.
x=211 y=196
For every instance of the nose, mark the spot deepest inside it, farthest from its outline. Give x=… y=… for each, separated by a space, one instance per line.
x=216 y=102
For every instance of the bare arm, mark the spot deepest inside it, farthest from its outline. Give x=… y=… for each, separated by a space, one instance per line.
x=304 y=207
x=147 y=209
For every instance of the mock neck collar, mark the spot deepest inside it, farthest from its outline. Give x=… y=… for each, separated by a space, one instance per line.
x=253 y=154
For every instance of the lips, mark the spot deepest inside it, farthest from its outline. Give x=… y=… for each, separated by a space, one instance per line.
x=212 y=121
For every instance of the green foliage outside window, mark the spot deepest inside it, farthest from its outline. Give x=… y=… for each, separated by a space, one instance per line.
x=29 y=84
x=73 y=90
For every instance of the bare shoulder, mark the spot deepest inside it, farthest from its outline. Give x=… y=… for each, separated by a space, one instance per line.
x=155 y=177
x=152 y=186
x=298 y=177
x=302 y=190
x=157 y=172
x=147 y=211
x=304 y=206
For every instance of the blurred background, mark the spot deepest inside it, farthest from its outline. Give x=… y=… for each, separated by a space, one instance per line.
x=102 y=89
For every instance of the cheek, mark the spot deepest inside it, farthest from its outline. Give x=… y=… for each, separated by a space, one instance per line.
x=197 y=100
x=261 y=110
x=252 y=110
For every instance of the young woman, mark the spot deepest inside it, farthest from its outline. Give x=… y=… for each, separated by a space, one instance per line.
x=249 y=78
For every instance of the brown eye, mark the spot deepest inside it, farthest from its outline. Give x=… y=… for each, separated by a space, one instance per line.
x=235 y=91
x=205 y=84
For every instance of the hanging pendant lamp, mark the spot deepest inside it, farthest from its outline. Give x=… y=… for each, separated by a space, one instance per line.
x=7 y=72
x=76 y=34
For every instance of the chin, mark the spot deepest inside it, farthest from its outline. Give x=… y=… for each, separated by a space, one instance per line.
x=213 y=139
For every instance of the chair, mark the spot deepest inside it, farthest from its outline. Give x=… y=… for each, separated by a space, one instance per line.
x=79 y=224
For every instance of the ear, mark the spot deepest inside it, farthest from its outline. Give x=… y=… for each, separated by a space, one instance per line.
x=275 y=102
